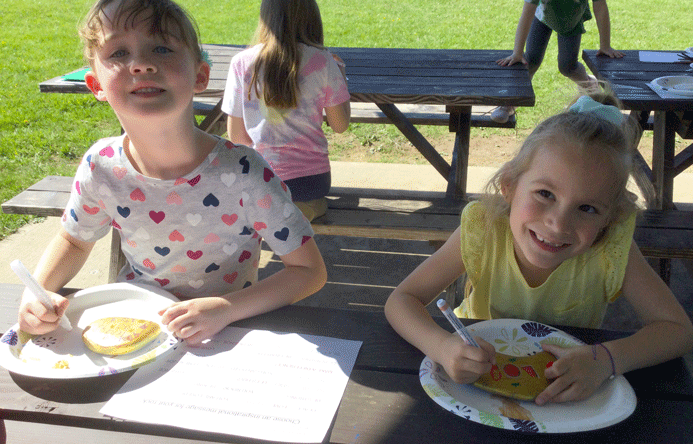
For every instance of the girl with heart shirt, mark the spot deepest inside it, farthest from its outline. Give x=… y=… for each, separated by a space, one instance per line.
x=191 y=209
x=276 y=93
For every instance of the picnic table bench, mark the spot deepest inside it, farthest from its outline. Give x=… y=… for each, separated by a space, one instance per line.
x=388 y=214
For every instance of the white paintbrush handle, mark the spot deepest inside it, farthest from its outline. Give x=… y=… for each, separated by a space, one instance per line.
x=38 y=291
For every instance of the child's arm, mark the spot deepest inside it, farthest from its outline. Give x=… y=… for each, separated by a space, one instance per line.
x=338 y=116
x=199 y=319
x=406 y=311
x=237 y=134
x=667 y=333
x=601 y=16
x=521 y=34
x=60 y=262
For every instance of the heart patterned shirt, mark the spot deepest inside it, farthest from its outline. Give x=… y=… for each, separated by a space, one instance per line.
x=195 y=236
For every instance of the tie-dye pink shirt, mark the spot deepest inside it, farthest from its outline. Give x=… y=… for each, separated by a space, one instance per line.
x=292 y=140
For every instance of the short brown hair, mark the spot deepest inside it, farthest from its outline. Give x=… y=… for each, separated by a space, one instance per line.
x=166 y=17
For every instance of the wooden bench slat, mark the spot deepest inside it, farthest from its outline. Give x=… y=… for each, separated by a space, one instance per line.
x=372 y=115
x=394 y=214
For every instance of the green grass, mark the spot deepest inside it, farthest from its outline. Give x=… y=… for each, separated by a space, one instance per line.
x=42 y=134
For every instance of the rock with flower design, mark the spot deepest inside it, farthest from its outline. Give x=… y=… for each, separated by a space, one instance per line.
x=119 y=336
x=518 y=377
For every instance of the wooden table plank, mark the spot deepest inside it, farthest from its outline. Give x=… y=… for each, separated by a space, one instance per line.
x=383 y=401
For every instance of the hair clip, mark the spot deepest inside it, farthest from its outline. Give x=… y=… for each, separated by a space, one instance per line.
x=586 y=104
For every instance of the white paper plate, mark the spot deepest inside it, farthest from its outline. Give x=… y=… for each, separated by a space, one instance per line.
x=612 y=403
x=682 y=85
x=42 y=355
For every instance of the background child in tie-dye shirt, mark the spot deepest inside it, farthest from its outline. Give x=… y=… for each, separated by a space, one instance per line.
x=275 y=95
x=191 y=209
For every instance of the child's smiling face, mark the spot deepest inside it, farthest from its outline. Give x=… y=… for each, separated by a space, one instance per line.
x=559 y=207
x=142 y=74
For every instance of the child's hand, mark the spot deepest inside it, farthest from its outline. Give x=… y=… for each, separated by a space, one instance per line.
x=36 y=319
x=577 y=374
x=512 y=59
x=197 y=319
x=610 y=52
x=464 y=363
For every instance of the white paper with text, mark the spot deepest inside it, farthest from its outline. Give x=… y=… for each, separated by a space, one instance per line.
x=253 y=383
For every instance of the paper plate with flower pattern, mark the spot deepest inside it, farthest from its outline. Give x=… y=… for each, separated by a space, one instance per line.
x=612 y=403
x=61 y=354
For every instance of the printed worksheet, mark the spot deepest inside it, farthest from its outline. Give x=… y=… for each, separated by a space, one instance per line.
x=253 y=383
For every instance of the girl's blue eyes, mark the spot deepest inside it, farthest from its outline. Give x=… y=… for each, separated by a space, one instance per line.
x=546 y=194
x=156 y=50
x=588 y=209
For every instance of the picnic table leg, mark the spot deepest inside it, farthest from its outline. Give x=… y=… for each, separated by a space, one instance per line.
x=663 y=158
x=663 y=171
x=415 y=137
x=642 y=174
x=213 y=117
x=117 y=259
x=460 y=124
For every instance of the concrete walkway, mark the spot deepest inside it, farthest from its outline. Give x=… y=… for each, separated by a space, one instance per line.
x=362 y=272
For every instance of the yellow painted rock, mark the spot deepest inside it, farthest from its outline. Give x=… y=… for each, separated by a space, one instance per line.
x=118 y=336
x=517 y=377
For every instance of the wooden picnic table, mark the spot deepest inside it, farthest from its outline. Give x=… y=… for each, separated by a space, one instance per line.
x=383 y=401
x=628 y=77
x=387 y=77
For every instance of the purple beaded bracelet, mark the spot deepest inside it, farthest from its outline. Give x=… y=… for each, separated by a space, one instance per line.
x=611 y=358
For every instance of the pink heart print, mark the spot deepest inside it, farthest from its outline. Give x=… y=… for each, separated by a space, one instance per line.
x=78 y=188
x=91 y=210
x=149 y=264
x=229 y=278
x=157 y=216
x=194 y=180
x=268 y=175
x=174 y=199
x=259 y=226
x=107 y=152
x=137 y=195
x=265 y=202
x=194 y=255
x=211 y=238
x=245 y=255
x=229 y=219
x=162 y=282
x=176 y=236
x=119 y=172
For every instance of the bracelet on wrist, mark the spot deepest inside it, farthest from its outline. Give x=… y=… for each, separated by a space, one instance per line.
x=611 y=358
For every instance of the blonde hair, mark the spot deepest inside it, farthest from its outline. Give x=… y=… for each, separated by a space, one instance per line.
x=587 y=132
x=282 y=26
x=166 y=18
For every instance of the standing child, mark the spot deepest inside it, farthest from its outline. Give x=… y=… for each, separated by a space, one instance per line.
x=552 y=243
x=275 y=95
x=538 y=20
x=191 y=209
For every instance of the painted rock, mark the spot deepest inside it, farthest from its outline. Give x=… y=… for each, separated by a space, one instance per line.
x=518 y=377
x=118 y=336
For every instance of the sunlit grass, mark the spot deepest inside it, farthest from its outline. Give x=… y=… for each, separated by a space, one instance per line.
x=43 y=134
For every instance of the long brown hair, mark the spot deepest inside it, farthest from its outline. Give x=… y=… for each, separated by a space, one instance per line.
x=282 y=26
